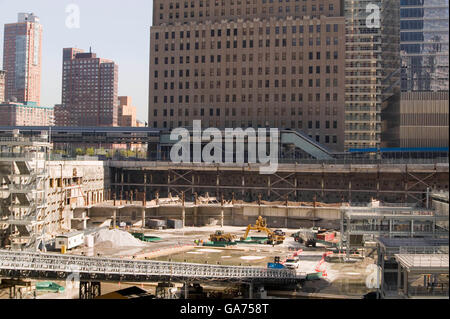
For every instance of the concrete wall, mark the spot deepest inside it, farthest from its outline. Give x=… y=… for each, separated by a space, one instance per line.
x=238 y=215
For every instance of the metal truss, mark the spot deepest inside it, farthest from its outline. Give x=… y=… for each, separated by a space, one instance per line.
x=44 y=265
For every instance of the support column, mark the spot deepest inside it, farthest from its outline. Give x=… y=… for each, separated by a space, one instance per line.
x=243 y=184
x=405 y=282
x=143 y=217
x=186 y=290
x=221 y=212
x=250 y=291
x=114 y=218
x=183 y=213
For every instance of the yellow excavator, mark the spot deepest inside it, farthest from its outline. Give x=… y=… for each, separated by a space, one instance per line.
x=274 y=237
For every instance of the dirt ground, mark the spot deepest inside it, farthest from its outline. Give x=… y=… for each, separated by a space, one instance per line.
x=340 y=278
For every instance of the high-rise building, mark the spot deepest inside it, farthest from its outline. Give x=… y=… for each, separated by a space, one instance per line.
x=249 y=64
x=89 y=90
x=22 y=59
x=127 y=112
x=419 y=117
x=424 y=45
x=2 y=86
x=372 y=68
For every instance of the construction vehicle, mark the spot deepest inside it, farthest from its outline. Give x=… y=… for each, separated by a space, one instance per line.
x=310 y=237
x=220 y=236
x=273 y=237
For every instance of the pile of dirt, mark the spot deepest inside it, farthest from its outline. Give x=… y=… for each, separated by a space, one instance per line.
x=116 y=238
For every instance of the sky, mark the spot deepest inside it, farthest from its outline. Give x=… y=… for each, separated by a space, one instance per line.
x=115 y=29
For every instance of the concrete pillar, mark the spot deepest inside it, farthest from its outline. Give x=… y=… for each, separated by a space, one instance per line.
x=195 y=215
x=143 y=217
x=186 y=290
x=287 y=216
x=114 y=218
x=243 y=184
x=250 y=291
x=183 y=213
x=399 y=277
x=405 y=282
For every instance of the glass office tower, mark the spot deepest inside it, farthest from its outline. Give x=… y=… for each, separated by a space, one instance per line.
x=424 y=45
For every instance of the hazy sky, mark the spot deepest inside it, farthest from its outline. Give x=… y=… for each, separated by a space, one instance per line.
x=115 y=29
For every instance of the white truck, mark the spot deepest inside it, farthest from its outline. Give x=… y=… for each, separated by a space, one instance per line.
x=292 y=263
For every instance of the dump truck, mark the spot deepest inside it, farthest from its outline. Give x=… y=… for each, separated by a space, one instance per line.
x=220 y=236
x=274 y=237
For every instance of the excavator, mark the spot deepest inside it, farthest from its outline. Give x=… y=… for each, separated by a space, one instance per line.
x=274 y=237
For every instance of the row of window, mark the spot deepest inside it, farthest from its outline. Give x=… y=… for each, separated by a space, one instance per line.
x=222 y=3
x=218 y=58
x=233 y=98
x=278 y=30
x=235 y=45
x=233 y=84
x=238 y=12
x=233 y=112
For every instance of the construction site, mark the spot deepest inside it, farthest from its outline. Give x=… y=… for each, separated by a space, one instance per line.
x=86 y=228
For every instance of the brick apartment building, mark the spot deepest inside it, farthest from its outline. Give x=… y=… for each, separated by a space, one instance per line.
x=2 y=85
x=89 y=90
x=250 y=64
x=25 y=114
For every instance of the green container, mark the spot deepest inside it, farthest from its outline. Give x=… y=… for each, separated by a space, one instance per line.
x=218 y=244
x=139 y=236
x=49 y=286
x=314 y=276
x=151 y=238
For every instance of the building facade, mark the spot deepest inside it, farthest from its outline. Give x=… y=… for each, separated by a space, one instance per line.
x=2 y=85
x=89 y=90
x=25 y=114
x=127 y=112
x=22 y=55
x=424 y=45
x=250 y=64
x=419 y=117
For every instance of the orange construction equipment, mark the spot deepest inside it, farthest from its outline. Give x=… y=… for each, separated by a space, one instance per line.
x=274 y=237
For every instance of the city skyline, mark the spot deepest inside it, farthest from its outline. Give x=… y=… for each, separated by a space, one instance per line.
x=130 y=24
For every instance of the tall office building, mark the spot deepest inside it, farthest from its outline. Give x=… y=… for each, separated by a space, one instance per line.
x=420 y=116
x=249 y=64
x=372 y=68
x=2 y=85
x=424 y=45
x=22 y=59
x=89 y=90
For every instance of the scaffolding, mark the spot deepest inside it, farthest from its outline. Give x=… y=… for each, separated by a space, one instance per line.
x=361 y=224
x=23 y=177
x=404 y=263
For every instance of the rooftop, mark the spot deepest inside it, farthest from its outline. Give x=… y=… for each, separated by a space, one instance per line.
x=424 y=262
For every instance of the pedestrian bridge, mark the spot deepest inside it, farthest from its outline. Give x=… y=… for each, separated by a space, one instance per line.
x=56 y=266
